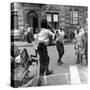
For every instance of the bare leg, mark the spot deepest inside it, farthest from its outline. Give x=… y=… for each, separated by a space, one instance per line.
x=78 y=59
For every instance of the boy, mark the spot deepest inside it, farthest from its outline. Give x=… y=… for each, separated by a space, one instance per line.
x=43 y=41
x=59 y=43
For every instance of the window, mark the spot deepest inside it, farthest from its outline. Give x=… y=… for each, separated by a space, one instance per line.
x=73 y=17
x=55 y=18
x=52 y=18
x=49 y=17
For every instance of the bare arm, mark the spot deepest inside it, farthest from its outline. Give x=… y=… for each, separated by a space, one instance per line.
x=51 y=34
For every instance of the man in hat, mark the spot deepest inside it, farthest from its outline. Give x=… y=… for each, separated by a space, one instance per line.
x=59 y=43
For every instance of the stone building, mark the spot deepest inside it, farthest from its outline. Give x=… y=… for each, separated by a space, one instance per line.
x=31 y=14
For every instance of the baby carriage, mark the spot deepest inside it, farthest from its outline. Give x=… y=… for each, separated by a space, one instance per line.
x=24 y=69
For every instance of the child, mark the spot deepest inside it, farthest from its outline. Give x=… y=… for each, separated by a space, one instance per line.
x=59 y=43
x=43 y=41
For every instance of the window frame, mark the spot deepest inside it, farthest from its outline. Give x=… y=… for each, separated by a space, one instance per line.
x=53 y=23
x=72 y=17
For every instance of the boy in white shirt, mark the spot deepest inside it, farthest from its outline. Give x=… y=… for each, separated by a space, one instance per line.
x=43 y=41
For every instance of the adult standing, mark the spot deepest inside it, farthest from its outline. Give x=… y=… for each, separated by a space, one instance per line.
x=76 y=46
x=86 y=46
x=79 y=44
x=43 y=41
x=29 y=34
x=59 y=43
x=86 y=41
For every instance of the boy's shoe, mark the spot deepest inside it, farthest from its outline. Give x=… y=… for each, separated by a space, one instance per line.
x=86 y=64
x=78 y=61
x=59 y=63
x=49 y=72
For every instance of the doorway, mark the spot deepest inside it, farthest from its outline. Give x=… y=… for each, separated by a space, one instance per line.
x=32 y=20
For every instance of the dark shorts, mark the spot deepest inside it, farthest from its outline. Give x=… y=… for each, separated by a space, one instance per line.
x=60 y=48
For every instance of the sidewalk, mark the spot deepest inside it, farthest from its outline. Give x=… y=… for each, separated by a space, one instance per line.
x=26 y=44
x=23 y=44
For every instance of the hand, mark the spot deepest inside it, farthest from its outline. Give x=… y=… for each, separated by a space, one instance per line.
x=74 y=47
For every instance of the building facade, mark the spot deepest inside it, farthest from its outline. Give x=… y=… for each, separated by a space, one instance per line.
x=32 y=14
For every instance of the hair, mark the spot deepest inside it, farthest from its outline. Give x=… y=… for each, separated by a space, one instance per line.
x=44 y=23
x=77 y=31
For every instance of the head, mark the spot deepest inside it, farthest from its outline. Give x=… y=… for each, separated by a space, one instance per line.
x=44 y=23
x=61 y=27
x=27 y=25
x=77 y=29
x=57 y=32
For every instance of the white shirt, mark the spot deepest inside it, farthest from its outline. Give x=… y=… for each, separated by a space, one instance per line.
x=82 y=30
x=60 y=35
x=44 y=36
x=79 y=38
x=75 y=32
x=28 y=29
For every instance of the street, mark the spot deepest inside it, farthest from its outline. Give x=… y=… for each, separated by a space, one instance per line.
x=37 y=25
x=63 y=74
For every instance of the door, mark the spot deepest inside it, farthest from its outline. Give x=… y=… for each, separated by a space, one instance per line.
x=32 y=20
